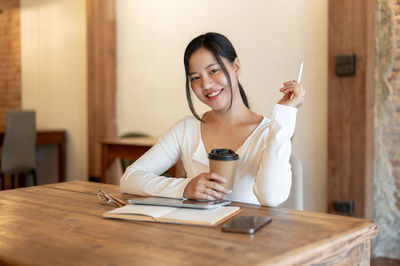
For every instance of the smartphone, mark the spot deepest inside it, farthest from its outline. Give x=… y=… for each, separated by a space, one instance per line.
x=180 y=203
x=246 y=224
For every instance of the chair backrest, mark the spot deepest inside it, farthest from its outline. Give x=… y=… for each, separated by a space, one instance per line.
x=19 y=141
x=295 y=200
x=126 y=162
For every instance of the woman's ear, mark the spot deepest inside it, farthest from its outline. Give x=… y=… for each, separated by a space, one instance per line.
x=236 y=66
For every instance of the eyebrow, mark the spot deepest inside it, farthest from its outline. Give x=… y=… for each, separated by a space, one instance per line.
x=207 y=67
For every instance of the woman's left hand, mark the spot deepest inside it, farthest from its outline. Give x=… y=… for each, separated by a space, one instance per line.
x=293 y=94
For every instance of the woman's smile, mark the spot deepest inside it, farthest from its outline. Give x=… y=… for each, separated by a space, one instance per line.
x=213 y=95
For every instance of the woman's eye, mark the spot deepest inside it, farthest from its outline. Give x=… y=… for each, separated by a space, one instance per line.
x=214 y=70
x=194 y=78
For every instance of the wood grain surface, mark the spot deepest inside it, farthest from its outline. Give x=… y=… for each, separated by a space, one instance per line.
x=351 y=106
x=60 y=224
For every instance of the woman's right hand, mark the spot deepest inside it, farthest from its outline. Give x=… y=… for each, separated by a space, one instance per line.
x=294 y=94
x=206 y=186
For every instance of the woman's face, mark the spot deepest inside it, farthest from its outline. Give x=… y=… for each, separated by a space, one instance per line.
x=208 y=80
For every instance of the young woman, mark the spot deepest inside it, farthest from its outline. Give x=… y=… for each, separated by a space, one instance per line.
x=263 y=174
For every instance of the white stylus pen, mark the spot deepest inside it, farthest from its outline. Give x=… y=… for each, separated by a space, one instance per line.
x=300 y=72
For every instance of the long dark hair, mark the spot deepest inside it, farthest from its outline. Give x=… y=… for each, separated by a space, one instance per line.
x=219 y=46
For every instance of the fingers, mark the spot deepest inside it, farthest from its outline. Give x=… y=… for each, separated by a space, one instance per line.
x=206 y=186
x=213 y=187
x=217 y=187
x=293 y=94
x=290 y=86
x=295 y=85
x=216 y=177
x=204 y=192
x=212 y=194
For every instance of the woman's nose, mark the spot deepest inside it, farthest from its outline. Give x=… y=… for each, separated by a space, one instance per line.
x=207 y=82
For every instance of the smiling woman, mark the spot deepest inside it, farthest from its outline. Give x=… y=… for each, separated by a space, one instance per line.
x=209 y=80
x=270 y=38
x=263 y=174
x=202 y=52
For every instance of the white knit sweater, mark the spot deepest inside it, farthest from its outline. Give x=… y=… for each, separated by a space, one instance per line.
x=263 y=173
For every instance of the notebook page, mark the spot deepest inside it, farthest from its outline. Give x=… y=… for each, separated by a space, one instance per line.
x=205 y=217
x=153 y=211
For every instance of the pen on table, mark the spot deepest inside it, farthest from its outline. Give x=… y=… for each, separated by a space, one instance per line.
x=300 y=72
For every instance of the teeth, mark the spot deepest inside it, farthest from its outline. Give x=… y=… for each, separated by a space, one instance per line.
x=215 y=93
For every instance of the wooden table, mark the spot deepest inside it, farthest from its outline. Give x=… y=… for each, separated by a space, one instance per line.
x=49 y=137
x=60 y=224
x=129 y=148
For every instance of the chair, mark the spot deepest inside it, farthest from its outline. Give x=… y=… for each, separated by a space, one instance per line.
x=126 y=162
x=19 y=145
x=180 y=171
x=295 y=200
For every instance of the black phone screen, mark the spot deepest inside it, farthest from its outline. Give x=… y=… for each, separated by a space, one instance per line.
x=246 y=224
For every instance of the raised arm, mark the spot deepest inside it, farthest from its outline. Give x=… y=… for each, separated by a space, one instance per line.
x=274 y=175
x=143 y=176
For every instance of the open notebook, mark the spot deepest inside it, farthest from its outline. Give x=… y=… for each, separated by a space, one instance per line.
x=162 y=214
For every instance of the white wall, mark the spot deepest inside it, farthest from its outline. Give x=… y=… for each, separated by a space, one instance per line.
x=53 y=50
x=270 y=37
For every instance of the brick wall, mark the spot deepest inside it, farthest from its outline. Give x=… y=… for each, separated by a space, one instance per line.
x=387 y=130
x=394 y=129
x=10 y=59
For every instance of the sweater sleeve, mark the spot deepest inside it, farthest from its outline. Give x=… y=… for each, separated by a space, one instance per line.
x=274 y=176
x=143 y=176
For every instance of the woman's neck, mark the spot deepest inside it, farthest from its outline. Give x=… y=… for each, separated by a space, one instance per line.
x=238 y=113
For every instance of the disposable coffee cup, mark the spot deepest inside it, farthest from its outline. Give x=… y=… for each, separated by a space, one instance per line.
x=224 y=162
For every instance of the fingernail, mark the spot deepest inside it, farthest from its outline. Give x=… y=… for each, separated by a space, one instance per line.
x=229 y=191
